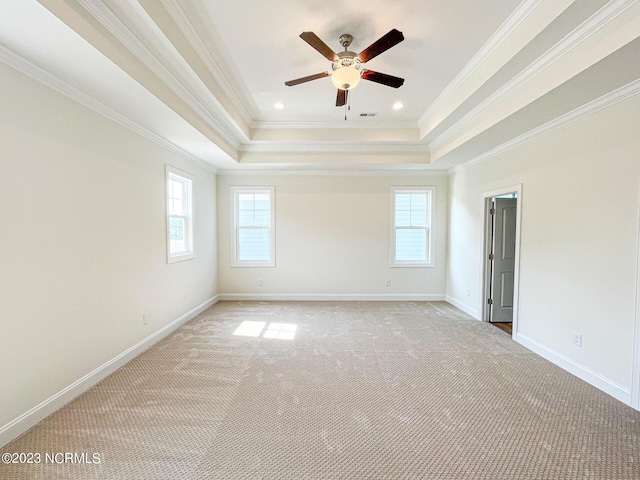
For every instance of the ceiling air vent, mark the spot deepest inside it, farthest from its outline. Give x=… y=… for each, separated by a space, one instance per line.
x=369 y=114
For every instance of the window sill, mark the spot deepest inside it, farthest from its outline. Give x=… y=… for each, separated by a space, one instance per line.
x=412 y=265
x=253 y=265
x=181 y=258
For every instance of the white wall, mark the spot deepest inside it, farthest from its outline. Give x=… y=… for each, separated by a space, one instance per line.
x=83 y=253
x=332 y=239
x=579 y=241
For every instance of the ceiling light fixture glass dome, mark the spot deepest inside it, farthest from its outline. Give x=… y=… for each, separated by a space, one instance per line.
x=346 y=71
x=345 y=78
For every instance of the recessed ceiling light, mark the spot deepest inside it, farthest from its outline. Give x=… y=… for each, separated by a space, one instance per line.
x=397 y=105
x=279 y=105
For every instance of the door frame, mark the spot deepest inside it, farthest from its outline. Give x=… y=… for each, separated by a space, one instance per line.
x=485 y=280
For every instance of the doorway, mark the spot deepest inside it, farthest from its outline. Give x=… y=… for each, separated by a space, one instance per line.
x=501 y=257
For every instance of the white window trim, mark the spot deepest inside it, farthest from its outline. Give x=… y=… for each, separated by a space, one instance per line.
x=235 y=191
x=430 y=262
x=190 y=252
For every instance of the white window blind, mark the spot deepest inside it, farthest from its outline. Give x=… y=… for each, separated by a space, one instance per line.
x=179 y=215
x=253 y=215
x=411 y=236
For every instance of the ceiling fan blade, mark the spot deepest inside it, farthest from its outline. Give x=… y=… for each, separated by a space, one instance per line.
x=382 y=44
x=382 y=78
x=313 y=40
x=341 y=99
x=297 y=81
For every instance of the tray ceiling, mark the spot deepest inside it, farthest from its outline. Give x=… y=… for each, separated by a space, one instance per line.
x=202 y=77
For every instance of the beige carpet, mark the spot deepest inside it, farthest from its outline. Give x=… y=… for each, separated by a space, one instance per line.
x=364 y=390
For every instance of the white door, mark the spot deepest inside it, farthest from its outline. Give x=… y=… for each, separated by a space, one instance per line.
x=502 y=258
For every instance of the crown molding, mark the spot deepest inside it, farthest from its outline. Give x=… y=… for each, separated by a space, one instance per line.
x=594 y=106
x=30 y=69
x=499 y=37
x=229 y=131
x=245 y=106
x=331 y=171
x=409 y=124
x=580 y=34
x=390 y=148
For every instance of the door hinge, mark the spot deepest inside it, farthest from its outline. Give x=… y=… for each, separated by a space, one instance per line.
x=491 y=256
x=492 y=211
x=490 y=301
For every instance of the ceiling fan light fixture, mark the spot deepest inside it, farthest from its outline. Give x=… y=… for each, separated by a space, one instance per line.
x=346 y=67
x=346 y=78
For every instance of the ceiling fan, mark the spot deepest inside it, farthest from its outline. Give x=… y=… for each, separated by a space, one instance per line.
x=347 y=66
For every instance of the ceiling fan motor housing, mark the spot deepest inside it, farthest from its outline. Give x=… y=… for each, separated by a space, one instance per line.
x=346 y=70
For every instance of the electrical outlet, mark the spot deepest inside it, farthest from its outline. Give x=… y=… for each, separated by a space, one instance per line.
x=260 y=282
x=577 y=339
x=145 y=318
x=387 y=282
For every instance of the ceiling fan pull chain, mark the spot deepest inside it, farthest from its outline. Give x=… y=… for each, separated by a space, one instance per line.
x=347 y=107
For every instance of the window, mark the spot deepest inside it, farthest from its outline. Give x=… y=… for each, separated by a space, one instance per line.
x=179 y=215
x=253 y=227
x=412 y=231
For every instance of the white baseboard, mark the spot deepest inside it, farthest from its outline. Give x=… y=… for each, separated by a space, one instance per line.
x=608 y=386
x=463 y=306
x=331 y=297
x=24 y=422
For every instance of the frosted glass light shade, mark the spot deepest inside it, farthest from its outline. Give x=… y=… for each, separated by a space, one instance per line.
x=345 y=78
